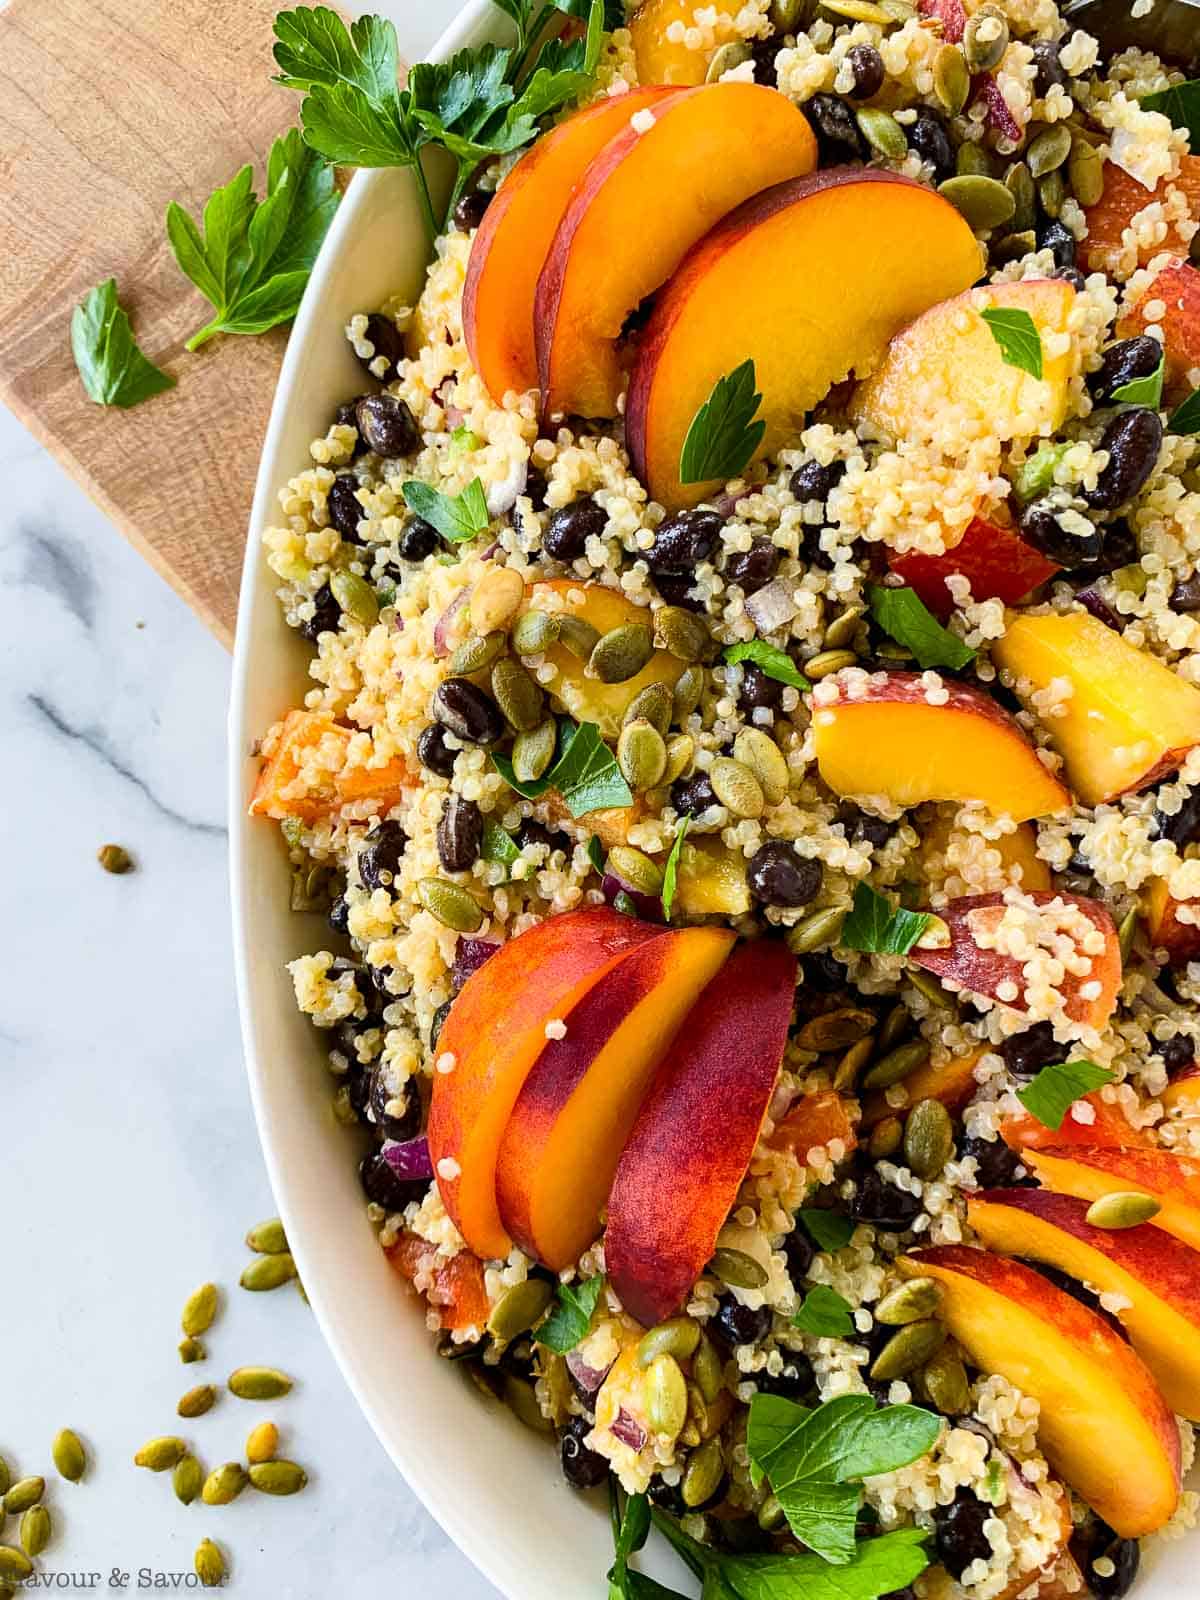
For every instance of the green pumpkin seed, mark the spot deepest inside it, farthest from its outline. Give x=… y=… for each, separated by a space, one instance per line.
x=703 y=1474
x=816 y=931
x=161 y=1454
x=278 y=1477
x=15 y=1565
x=1019 y=183
x=843 y=628
x=944 y=1379
x=187 y=1480
x=895 y=1025
x=636 y=869
x=736 y=787
x=898 y=10
x=678 y=1337
x=846 y=1072
x=36 y=1530
x=951 y=78
x=224 y=1484
x=534 y=632
x=834 y=1030
x=664 y=1396
x=897 y=1064
x=533 y=751
x=926 y=984
x=928 y=1138
x=1052 y=192
x=759 y=753
x=259 y=1383
x=859 y=11
x=882 y=132
x=973 y=160
x=5 y=1478
x=985 y=39
x=911 y=1301
x=911 y=1347
x=518 y=694
x=519 y=1308
x=268 y=1238
x=24 y=1493
x=689 y=687
x=1085 y=173
x=682 y=634
x=770 y=1514
x=1126 y=934
x=1014 y=246
x=476 y=653
x=885 y=1139
x=707 y=1370
x=199 y=1309
x=190 y=1350
x=641 y=755
x=262 y=1442
x=496 y=599
x=737 y=1269
x=653 y=705
x=826 y=662
x=577 y=636
x=725 y=58
x=209 y=1564
x=355 y=597
x=453 y=906
x=197 y=1401
x=1049 y=150
x=268 y=1272
x=984 y=202
x=692 y=1431
x=1122 y=1209
x=681 y=751
x=789 y=15
x=521 y=1399
x=621 y=653
x=68 y=1455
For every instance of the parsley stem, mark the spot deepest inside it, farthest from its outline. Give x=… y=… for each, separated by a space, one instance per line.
x=426 y=200
x=525 y=44
x=203 y=335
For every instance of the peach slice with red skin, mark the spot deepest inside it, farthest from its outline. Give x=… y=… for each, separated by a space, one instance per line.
x=993 y=557
x=494 y=1032
x=1177 y=934
x=1177 y=286
x=1089 y=1171
x=1104 y=1426
x=637 y=210
x=1101 y=249
x=681 y=1168
x=891 y=739
x=802 y=279
x=514 y=238
x=1158 y=1276
x=1109 y=1126
x=984 y=971
x=581 y=1095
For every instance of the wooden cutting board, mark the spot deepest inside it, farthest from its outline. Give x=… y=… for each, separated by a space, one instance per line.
x=108 y=110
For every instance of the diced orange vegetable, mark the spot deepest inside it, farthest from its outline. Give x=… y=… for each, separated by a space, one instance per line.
x=457 y=1293
x=815 y=1120
x=1110 y=1130
x=1177 y=287
x=313 y=740
x=1121 y=201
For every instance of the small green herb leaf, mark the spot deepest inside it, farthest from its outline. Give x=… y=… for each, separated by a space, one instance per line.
x=722 y=437
x=1185 y=419
x=671 y=870
x=875 y=926
x=113 y=370
x=455 y=516
x=826 y=1313
x=498 y=845
x=587 y=776
x=595 y=853
x=903 y=615
x=1055 y=1089
x=572 y=1313
x=1181 y=105
x=1017 y=335
x=829 y=1229
x=769 y=659
x=1144 y=391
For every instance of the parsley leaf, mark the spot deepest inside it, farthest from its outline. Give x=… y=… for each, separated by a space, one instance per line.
x=1185 y=418
x=829 y=1229
x=1017 y=335
x=253 y=259
x=874 y=926
x=584 y=771
x=671 y=870
x=1055 y=1089
x=498 y=845
x=595 y=853
x=571 y=1316
x=722 y=438
x=455 y=516
x=113 y=370
x=903 y=615
x=770 y=659
x=1181 y=105
x=826 y=1313
x=1144 y=391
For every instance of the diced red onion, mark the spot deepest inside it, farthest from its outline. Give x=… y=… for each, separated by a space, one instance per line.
x=409 y=1158
x=773 y=606
x=503 y=496
x=999 y=117
x=727 y=503
x=628 y=1430
x=586 y=1379
x=469 y=957
x=442 y=626
x=1091 y=601
x=454 y=416
x=648 y=906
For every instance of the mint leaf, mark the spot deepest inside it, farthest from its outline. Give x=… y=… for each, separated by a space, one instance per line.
x=1181 y=105
x=569 y=1320
x=903 y=615
x=113 y=370
x=595 y=853
x=722 y=437
x=770 y=659
x=1055 y=1089
x=587 y=776
x=875 y=926
x=671 y=870
x=1185 y=418
x=1144 y=391
x=498 y=845
x=1017 y=335
x=455 y=516
x=825 y=1313
x=830 y=1230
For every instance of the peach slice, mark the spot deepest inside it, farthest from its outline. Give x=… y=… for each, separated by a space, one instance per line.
x=514 y=238
x=456 y=1290
x=695 y=1134
x=578 y=1102
x=1017 y=851
x=1127 y=721
x=1158 y=1276
x=987 y=972
x=948 y=361
x=306 y=771
x=894 y=741
x=661 y=59
x=495 y=1031
x=1101 y=250
x=1109 y=1127
x=1169 y=924
x=803 y=280
x=712 y=880
x=1182 y=1094
x=1177 y=286
x=993 y=557
x=643 y=202
x=951 y=1081
x=816 y=1121
x=587 y=699
x=1089 y=1171
x=1105 y=1427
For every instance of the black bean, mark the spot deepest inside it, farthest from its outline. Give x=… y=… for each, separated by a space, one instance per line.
x=1182 y=827
x=764 y=53
x=433 y=751
x=862 y=827
x=928 y=137
x=795 y=1381
x=824 y=973
x=326 y=615
x=757 y=690
x=1056 y=237
x=385 y=1187
x=344 y=509
x=838 y=136
x=338 y=916
x=364 y=981
x=751 y=569
x=1122 y=363
x=1041 y=528
x=467 y=711
x=1050 y=70
x=738 y=1324
x=379 y=1096
x=676 y=590
x=1118 y=548
x=469 y=211
x=691 y=796
x=684 y=540
x=1028 y=1052
x=777 y=876
x=958 y=1534
x=1097 y=1541
x=867 y=66
x=882 y=1203
x=417 y=540
x=459 y=834
x=799 y=1250
x=387 y=425
x=389 y=342
x=1133 y=440
x=381 y=852
x=581 y=1467
x=1185 y=596
x=533 y=832
x=1071 y=275
x=570 y=527
x=535 y=488
x=813 y=481
x=1177 y=1053
x=666 y=1497
x=346 y=416
x=438 y=1022
x=995 y=1164
x=358 y=1088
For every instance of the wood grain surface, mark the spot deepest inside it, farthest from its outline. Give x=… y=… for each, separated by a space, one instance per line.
x=108 y=110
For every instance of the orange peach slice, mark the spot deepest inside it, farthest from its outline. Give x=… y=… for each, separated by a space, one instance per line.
x=1169 y=923
x=816 y=1121
x=695 y=1134
x=1177 y=287
x=1089 y=1171
x=712 y=880
x=991 y=555
x=1127 y=719
x=951 y=1081
x=514 y=238
x=1158 y=1276
x=1104 y=1427
x=661 y=59
x=948 y=362
x=1123 y=198
x=1109 y=1127
x=495 y=1031
x=895 y=741
x=802 y=280
x=1019 y=859
x=578 y=1102
x=1182 y=1094
x=306 y=772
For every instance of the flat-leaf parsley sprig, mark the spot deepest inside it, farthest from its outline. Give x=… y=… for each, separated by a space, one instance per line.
x=114 y=371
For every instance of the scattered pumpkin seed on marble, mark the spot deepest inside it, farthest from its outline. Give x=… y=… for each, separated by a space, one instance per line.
x=268 y=1272
x=197 y=1401
x=199 y=1310
x=24 y=1493
x=224 y=1484
x=909 y=1348
x=896 y=1065
x=677 y=1336
x=664 y=1396
x=277 y=1477
x=36 y=1530
x=1122 y=1209
x=259 y=1383
x=161 y=1454
x=653 y=705
x=209 y=1564
x=534 y=632
x=984 y=202
x=187 y=1479
x=114 y=858
x=452 y=905
x=268 y=1238
x=262 y=1442
x=621 y=653
x=703 y=1474
x=191 y=1350
x=928 y=1138
x=68 y=1455
x=15 y=1565
x=533 y=751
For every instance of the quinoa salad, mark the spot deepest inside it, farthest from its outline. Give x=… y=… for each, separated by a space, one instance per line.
x=752 y=778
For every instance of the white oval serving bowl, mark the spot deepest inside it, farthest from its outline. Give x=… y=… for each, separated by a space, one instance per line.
x=493 y=1486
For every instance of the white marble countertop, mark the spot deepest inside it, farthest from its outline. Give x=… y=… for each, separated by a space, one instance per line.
x=131 y=1165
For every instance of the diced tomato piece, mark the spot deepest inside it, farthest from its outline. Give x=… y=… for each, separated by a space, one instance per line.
x=1178 y=287
x=1121 y=201
x=457 y=1293
x=1111 y=1130
x=816 y=1119
x=996 y=560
